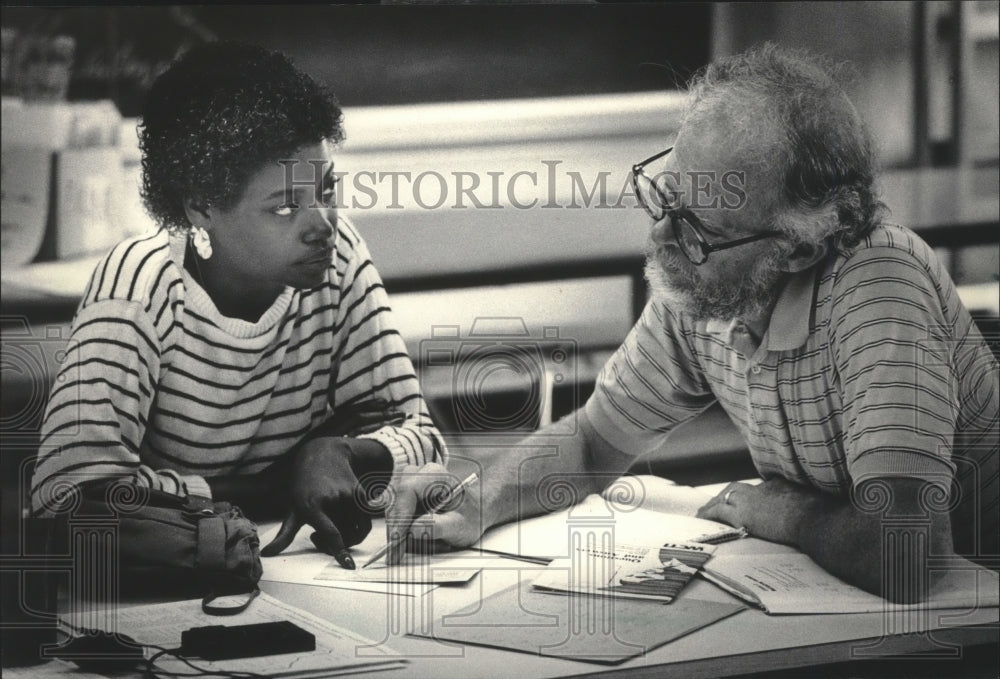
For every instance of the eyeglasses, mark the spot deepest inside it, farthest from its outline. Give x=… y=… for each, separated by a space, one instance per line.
x=686 y=226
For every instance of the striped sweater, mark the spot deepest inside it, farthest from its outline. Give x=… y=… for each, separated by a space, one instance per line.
x=870 y=367
x=159 y=387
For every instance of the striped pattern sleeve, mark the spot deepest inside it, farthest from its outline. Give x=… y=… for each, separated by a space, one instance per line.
x=652 y=383
x=891 y=346
x=372 y=362
x=97 y=411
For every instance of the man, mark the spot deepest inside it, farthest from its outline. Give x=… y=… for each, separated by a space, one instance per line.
x=835 y=341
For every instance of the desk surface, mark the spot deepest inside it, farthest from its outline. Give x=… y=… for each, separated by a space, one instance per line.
x=747 y=642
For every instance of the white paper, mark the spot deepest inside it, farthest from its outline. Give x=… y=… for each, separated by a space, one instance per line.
x=550 y=536
x=658 y=494
x=415 y=569
x=53 y=669
x=792 y=583
x=302 y=564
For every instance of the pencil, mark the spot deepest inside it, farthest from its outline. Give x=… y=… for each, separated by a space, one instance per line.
x=438 y=506
x=547 y=382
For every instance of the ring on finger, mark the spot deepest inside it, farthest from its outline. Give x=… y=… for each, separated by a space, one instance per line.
x=725 y=496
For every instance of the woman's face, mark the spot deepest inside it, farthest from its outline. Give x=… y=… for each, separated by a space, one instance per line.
x=281 y=230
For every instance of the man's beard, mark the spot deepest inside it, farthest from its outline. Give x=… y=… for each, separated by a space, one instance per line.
x=732 y=293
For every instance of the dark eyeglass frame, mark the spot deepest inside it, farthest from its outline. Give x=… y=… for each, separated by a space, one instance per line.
x=679 y=214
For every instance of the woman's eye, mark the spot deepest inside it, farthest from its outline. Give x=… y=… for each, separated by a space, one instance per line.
x=285 y=210
x=329 y=196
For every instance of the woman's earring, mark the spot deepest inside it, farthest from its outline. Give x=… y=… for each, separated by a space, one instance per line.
x=202 y=243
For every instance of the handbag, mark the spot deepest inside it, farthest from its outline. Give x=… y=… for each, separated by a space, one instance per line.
x=171 y=543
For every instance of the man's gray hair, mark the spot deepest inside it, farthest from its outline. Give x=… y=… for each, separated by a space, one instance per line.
x=788 y=114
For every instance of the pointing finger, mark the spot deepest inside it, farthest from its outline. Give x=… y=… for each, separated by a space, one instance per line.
x=289 y=528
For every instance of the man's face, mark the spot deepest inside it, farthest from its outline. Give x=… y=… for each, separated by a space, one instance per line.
x=701 y=174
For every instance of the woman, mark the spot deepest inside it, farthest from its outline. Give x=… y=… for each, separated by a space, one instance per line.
x=223 y=344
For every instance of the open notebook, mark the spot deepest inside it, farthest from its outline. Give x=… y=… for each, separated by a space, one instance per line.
x=552 y=536
x=788 y=582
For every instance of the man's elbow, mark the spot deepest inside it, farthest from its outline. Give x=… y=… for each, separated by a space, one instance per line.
x=906 y=542
x=909 y=565
x=905 y=586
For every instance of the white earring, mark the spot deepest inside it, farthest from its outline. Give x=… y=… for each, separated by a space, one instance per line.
x=202 y=243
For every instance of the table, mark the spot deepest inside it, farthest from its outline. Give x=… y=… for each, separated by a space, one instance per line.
x=750 y=641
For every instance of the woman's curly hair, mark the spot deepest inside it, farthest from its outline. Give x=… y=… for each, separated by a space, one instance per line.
x=789 y=109
x=216 y=116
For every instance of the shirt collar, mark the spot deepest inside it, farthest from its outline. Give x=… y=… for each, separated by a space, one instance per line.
x=791 y=318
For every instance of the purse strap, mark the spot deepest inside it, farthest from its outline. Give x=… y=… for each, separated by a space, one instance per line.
x=208 y=607
x=211 y=555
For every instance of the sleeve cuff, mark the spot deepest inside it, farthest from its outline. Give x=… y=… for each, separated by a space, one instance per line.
x=388 y=437
x=906 y=463
x=608 y=429
x=197 y=485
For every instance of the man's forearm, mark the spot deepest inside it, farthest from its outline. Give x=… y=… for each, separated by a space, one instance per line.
x=882 y=547
x=519 y=481
x=882 y=552
x=842 y=541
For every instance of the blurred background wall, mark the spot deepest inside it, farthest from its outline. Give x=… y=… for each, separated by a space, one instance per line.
x=537 y=110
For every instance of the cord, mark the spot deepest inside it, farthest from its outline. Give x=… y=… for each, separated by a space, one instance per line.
x=152 y=670
x=149 y=664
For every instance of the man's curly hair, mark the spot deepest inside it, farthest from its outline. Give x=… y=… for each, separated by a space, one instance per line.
x=788 y=112
x=216 y=116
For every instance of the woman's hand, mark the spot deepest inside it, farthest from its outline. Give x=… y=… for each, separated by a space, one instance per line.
x=322 y=487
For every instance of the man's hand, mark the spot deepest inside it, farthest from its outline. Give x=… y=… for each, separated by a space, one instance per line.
x=847 y=536
x=413 y=491
x=771 y=510
x=321 y=487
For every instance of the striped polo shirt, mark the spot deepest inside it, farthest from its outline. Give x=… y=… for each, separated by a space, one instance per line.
x=870 y=366
x=159 y=387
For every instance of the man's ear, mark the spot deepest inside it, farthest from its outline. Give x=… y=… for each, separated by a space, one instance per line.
x=804 y=256
x=197 y=213
x=808 y=252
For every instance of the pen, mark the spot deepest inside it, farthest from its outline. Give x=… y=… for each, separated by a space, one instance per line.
x=438 y=506
x=726 y=535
